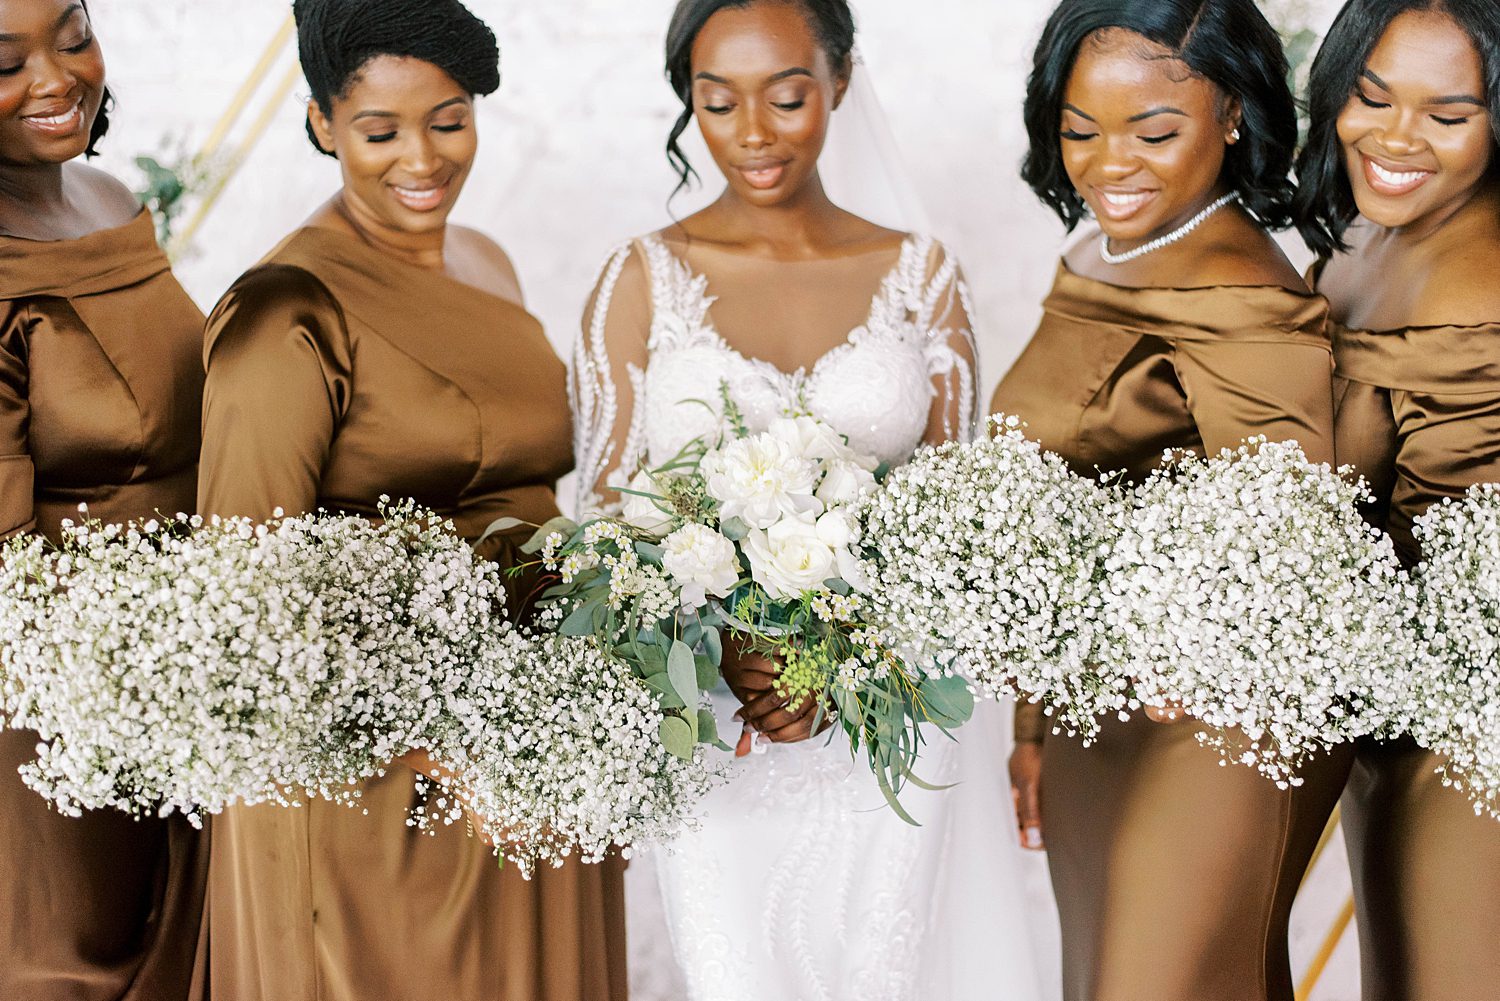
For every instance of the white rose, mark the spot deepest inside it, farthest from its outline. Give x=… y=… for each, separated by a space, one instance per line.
x=701 y=562
x=761 y=480
x=844 y=482
x=834 y=530
x=644 y=513
x=789 y=559
x=810 y=437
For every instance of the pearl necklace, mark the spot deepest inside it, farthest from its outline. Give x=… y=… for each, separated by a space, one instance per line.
x=1167 y=239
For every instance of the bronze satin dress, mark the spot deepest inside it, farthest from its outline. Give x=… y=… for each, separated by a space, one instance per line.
x=100 y=388
x=1174 y=875
x=1419 y=417
x=337 y=374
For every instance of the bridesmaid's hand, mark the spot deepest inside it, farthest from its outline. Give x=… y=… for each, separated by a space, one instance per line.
x=1026 y=792
x=1172 y=712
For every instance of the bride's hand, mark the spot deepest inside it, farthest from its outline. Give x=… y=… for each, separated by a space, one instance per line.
x=1026 y=792
x=769 y=714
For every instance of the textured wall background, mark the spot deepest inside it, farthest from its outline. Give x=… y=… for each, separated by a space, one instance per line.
x=571 y=164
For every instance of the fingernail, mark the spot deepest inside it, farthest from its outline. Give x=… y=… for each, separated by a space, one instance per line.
x=1033 y=837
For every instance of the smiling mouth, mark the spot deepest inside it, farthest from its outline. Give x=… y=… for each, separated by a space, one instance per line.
x=763 y=177
x=426 y=199
x=1385 y=181
x=1118 y=206
x=62 y=124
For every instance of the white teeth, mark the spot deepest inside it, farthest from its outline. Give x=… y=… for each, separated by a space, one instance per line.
x=1394 y=179
x=1122 y=201
x=62 y=119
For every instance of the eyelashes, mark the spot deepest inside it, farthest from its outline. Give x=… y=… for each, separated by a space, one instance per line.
x=72 y=50
x=385 y=137
x=1073 y=136
x=1380 y=105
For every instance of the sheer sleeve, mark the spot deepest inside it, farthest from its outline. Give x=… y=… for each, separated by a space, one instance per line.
x=1239 y=389
x=607 y=381
x=952 y=355
x=17 y=474
x=278 y=384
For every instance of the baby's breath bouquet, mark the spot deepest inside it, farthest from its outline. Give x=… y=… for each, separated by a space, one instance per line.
x=750 y=536
x=987 y=558
x=560 y=756
x=1454 y=701
x=183 y=664
x=1247 y=590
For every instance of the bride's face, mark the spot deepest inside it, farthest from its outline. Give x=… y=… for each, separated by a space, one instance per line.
x=763 y=92
x=1143 y=138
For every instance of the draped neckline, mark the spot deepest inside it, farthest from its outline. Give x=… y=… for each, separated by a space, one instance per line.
x=1247 y=313
x=103 y=261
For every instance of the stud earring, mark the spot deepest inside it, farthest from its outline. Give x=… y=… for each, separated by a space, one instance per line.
x=1234 y=136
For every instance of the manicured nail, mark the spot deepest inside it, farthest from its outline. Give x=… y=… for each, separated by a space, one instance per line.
x=1033 y=837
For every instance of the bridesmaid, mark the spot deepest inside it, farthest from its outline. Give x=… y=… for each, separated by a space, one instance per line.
x=381 y=351
x=99 y=393
x=1179 y=324
x=1400 y=179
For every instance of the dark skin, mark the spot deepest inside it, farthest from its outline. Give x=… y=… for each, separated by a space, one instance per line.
x=51 y=89
x=1144 y=142
x=1419 y=153
x=763 y=92
x=404 y=134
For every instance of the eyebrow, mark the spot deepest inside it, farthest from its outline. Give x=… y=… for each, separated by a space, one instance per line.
x=391 y=114
x=72 y=9
x=1079 y=112
x=1447 y=99
x=1156 y=111
x=773 y=78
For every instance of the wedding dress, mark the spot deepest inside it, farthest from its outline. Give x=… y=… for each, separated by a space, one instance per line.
x=799 y=883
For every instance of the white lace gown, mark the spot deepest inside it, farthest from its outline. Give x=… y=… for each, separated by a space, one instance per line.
x=799 y=883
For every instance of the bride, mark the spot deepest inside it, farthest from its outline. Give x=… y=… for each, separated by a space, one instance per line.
x=800 y=883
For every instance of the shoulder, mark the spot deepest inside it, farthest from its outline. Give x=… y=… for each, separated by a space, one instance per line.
x=487 y=260
x=1244 y=255
x=272 y=299
x=623 y=286
x=1461 y=291
x=117 y=204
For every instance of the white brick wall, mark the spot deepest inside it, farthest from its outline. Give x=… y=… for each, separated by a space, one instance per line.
x=572 y=163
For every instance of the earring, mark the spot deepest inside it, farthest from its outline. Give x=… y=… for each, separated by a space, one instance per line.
x=1234 y=136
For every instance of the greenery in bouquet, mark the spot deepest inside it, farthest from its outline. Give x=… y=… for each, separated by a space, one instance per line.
x=1247 y=590
x=748 y=538
x=987 y=558
x=1454 y=698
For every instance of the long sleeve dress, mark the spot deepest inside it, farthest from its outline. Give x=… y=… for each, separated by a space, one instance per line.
x=100 y=385
x=1174 y=876
x=1419 y=417
x=338 y=374
x=799 y=884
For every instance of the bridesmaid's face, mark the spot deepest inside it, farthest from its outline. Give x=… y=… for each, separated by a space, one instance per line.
x=51 y=81
x=404 y=135
x=1143 y=138
x=1416 y=132
x=763 y=91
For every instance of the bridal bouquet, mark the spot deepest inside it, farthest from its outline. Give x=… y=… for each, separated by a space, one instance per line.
x=753 y=534
x=1247 y=590
x=1455 y=697
x=987 y=558
x=183 y=665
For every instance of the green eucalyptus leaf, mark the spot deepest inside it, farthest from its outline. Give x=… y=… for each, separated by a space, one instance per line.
x=708 y=672
x=708 y=727
x=666 y=696
x=566 y=526
x=735 y=529
x=650 y=552
x=683 y=672
x=713 y=646
x=948 y=698
x=580 y=621
x=677 y=737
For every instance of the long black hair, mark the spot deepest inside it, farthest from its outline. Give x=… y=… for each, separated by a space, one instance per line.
x=1325 y=203
x=336 y=38
x=832 y=21
x=1228 y=42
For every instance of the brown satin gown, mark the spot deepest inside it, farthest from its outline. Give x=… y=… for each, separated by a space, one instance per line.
x=1419 y=417
x=100 y=390
x=336 y=374
x=1174 y=875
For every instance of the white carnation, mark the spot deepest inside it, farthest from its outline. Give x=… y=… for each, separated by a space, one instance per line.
x=760 y=480
x=702 y=562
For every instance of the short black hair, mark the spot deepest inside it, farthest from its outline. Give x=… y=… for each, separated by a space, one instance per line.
x=832 y=21
x=1228 y=42
x=1325 y=203
x=337 y=38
